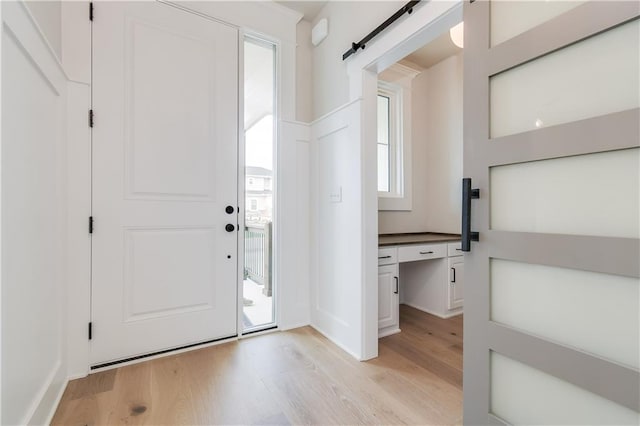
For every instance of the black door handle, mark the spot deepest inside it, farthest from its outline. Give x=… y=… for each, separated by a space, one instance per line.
x=467 y=195
x=230 y=227
x=229 y=209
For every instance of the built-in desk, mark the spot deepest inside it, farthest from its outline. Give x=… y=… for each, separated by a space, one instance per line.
x=422 y=270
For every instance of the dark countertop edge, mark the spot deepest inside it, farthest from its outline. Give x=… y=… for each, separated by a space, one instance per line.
x=430 y=237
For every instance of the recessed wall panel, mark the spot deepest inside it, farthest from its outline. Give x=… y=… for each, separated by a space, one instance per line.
x=522 y=395
x=594 y=312
x=595 y=194
x=169 y=115
x=168 y=271
x=591 y=78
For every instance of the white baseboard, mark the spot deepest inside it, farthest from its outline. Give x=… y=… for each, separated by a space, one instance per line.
x=295 y=325
x=388 y=332
x=54 y=408
x=338 y=344
x=434 y=313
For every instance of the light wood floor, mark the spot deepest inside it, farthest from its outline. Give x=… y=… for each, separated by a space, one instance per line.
x=293 y=377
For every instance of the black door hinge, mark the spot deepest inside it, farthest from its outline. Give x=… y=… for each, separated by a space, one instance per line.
x=90 y=118
x=91 y=224
x=91 y=11
x=90 y=330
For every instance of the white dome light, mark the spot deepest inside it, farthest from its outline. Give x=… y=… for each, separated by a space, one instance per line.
x=457 y=35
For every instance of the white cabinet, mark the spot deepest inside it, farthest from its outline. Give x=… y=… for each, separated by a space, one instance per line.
x=426 y=275
x=455 y=292
x=411 y=253
x=432 y=277
x=388 y=301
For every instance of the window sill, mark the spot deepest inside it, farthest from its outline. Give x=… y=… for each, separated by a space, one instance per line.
x=394 y=203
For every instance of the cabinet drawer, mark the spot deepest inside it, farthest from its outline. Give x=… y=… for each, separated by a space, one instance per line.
x=387 y=256
x=421 y=252
x=455 y=249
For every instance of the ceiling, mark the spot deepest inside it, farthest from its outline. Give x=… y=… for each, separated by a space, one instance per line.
x=258 y=82
x=308 y=8
x=440 y=48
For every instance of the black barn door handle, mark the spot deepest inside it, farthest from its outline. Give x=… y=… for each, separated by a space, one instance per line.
x=467 y=195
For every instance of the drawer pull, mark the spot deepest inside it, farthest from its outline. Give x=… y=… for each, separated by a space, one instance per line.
x=384 y=257
x=397 y=286
x=458 y=249
x=426 y=252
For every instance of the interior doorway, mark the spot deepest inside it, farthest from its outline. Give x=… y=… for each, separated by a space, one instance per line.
x=258 y=286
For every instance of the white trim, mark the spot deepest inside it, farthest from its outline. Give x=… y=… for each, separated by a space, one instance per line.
x=335 y=342
x=296 y=325
x=388 y=332
x=333 y=111
x=400 y=194
x=44 y=39
x=405 y=68
x=434 y=313
x=57 y=400
x=296 y=16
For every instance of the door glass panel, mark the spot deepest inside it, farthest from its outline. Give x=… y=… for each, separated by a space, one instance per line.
x=541 y=300
x=594 y=77
x=510 y=18
x=571 y=195
x=524 y=395
x=259 y=127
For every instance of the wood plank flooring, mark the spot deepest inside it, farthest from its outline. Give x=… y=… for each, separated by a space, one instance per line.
x=292 y=377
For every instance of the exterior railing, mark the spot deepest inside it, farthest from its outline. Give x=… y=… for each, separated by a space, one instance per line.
x=258 y=255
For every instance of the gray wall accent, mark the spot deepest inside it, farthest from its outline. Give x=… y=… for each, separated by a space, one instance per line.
x=609 y=132
x=608 y=255
x=607 y=379
x=618 y=130
x=582 y=22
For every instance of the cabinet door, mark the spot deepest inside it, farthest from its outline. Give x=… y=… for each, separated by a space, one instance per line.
x=456 y=282
x=388 y=296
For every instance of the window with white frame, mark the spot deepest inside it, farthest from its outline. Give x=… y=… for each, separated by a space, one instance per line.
x=390 y=181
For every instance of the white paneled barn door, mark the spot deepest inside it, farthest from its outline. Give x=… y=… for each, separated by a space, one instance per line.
x=551 y=111
x=165 y=147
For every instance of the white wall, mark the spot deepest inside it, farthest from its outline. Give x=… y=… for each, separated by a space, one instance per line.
x=48 y=16
x=349 y=21
x=304 y=73
x=336 y=258
x=437 y=153
x=34 y=230
x=293 y=213
x=444 y=146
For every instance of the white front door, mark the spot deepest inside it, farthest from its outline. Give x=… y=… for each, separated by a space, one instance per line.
x=165 y=141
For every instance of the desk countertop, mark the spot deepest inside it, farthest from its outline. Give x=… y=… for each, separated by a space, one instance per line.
x=415 y=238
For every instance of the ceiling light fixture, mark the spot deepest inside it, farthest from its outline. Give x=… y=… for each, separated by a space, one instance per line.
x=457 y=35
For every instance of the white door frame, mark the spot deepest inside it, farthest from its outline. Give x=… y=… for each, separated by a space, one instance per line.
x=427 y=22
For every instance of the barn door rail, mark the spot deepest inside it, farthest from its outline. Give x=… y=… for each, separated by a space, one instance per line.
x=407 y=8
